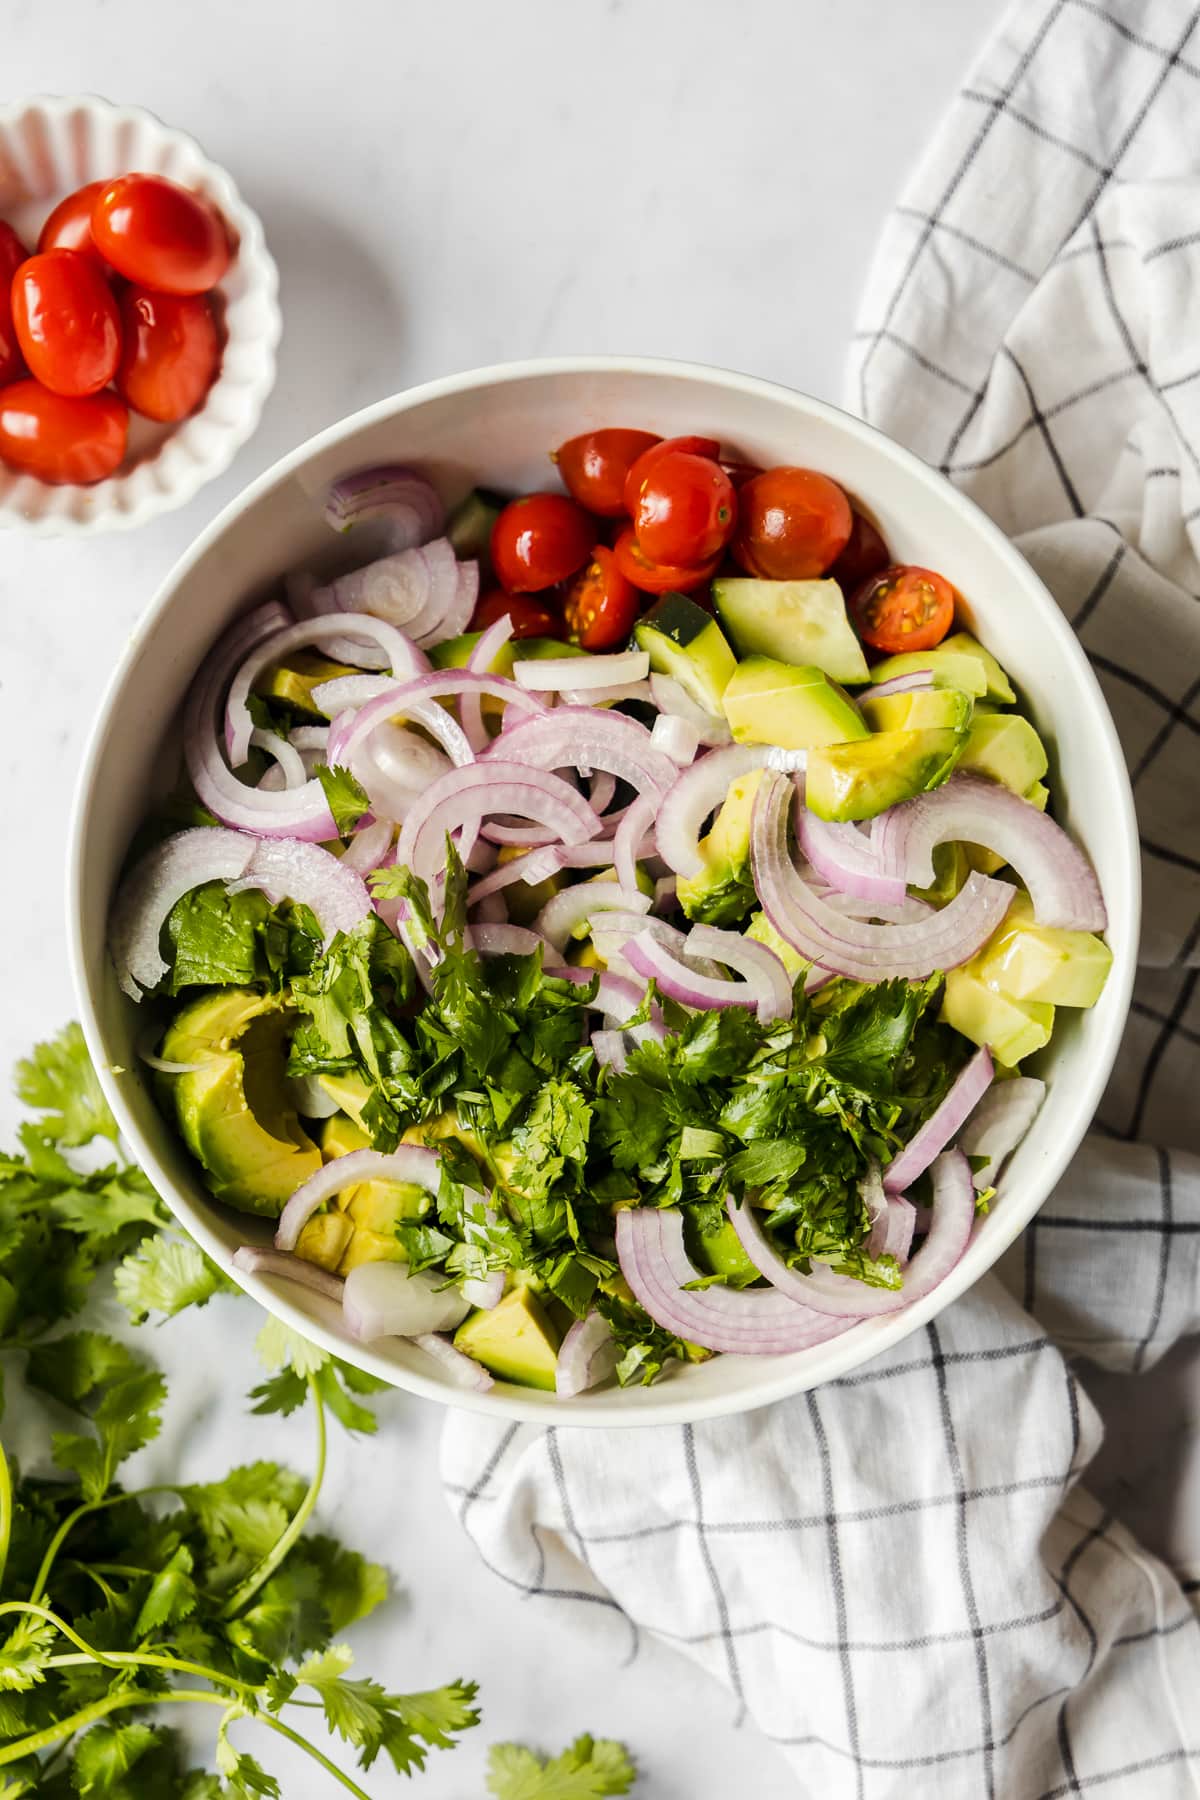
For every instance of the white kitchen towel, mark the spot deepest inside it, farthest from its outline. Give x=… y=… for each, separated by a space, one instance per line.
x=902 y=1576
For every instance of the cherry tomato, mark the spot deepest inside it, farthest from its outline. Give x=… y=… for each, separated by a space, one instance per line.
x=691 y=446
x=540 y=541
x=67 y=322
x=170 y=352
x=686 y=509
x=740 y=472
x=594 y=467
x=69 y=226
x=156 y=232
x=792 y=524
x=658 y=578
x=12 y=254
x=905 y=608
x=531 y=618
x=60 y=437
x=601 y=603
x=865 y=554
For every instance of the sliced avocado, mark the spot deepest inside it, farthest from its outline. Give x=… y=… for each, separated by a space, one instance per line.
x=340 y=1135
x=1038 y=795
x=295 y=679
x=796 y=621
x=1011 y=1029
x=950 y=668
x=926 y=709
x=515 y=1340
x=793 y=705
x=762 y=931
x=1005 y=747
x=537 y=649
x=352 y=1094
x=718 y=1252
x=585 y=956
x=999 y=687
x=233 y=1109
x=723 y=891
x=1026 y=961
x=455 y=652
x=430 y=1132
x=683 y=640
x=950 y=870
x=857 y=781
x=469 y=526
x=325 y=1238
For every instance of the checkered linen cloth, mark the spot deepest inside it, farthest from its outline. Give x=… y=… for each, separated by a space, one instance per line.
x=902 y=1577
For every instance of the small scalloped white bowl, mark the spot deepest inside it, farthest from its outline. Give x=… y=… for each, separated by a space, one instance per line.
x=493 y=427
x=48 y=147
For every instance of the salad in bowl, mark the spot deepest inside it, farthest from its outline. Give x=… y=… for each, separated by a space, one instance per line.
x=605 y=928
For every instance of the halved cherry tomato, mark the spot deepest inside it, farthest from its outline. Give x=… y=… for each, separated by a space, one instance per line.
x=60 y=437
x=905 y=608
x=154 y=231
x=67 y=322
x=691 y=446
x=531 y=618
x=594 y=467
x=792 y=524
x=12 y=254
x=686 y=509
x=170 y=352
x=865 y=554
x=541 y=540
x=601 y=603
x=658 y=578
x=69 y=226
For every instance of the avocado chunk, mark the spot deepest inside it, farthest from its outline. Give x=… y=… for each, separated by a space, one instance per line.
x=293 y=681
x=351 y=1093
x=797 y=621
x=1011 y=1029
x=1026 y=961
x=963 y=669
x=682 y=640
x=360 y=1225
x=925 y=709
x=719 y=1252
x=1006 y=748
x=999 y=687
x=793 y=705
x=233 y=1109
x=723 y=891
x=1038 y=795
x=515 y=1340
x=469 y=527
x=454 y=653
x=951 y=867
x=762 y=931
x=857 y=781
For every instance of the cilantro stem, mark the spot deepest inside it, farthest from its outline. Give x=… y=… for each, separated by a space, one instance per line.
x=117 y=1659
x=72 y=1519
x=271 y=1561
x=6 y=1510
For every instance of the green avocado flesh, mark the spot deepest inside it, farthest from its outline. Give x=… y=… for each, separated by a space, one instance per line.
x=857 y=781
x=1011 y=1029
x=961 y=668
x=999 y=687
x=936 y=708
x=795 y=706
x=1005 y=747
x=515 y=1340
x=724 y=888
x=1026 y=961
x=293 y=681
x=795 y=621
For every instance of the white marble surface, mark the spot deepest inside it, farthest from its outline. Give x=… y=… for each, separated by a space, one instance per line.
x=446 y=185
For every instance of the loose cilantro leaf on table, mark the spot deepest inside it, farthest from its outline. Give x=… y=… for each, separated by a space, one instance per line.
x=590 y=1769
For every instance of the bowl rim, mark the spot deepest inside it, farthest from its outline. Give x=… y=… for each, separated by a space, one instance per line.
x=605 y=1408
x=228 y=439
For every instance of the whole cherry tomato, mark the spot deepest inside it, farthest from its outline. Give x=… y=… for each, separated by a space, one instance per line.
x=658 y=578
x=170 y=352
x=686 y=509
x=12 y=254
x=541 y=540
x=67 y=322
x=905 y=608
x=865 y=554
x=60 y=437
x=740 y=472
x=594 y=467
x=69 y=226
x=531 y=618
x=691 y=446
x=154 y=231
x=601 y=603
x=792 y=524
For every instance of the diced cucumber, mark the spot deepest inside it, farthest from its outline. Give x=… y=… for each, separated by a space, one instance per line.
x=469 y=527
x=792 y=621
x=682 y=640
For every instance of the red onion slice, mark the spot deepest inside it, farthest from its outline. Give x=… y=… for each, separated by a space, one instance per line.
x=618 y=999
x=999 y=1122
x=607 y=696
x=451 y=598
x=970 y=809
x=629 y=838
x=153 y=886
x=396 y=588
x=289 y=764
x=695 y=794
x=749 y=1322
x=764 y=972
x=286 y=869
x=387 y=1299
x=464 y=796
x=942 y=1125
x=513 y=940
x=368 y=847
x=252 y=1259
x=842 y=1296
x=849 y=946
x=464 y=1371
x=609 y=1047
x=649 y=956
x=588 y=1355
x=912 y=683
x=484 y=1291
x=482 y=661
x=583 y=738
x=550 y=674
x=671 y=697
x=845 y=857
x=534 y=866
x=402 y=699
x=563 y=912
x=407 y=503
x=410 y=1162
x=677 y=738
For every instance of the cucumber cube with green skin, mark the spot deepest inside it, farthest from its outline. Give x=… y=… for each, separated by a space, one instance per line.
x=925 y=709
x=1011 y=1029
x=858 y=781
x=1026 y=961
x=456 y=651
x=963 y=669
x=795 y=621
x=682 y=640
x=1005 y=747
x=999 y=687
x=469 y=527
x=795 y=706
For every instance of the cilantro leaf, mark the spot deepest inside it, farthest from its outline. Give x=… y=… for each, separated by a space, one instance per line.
x=403 y=1725
x=347 y=798
x=105 y=1755
x=118 y=1392
x=166 y=1275
x=223 y=939
x=588 y=1770
x=173 y=1595
x=57 y=1079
